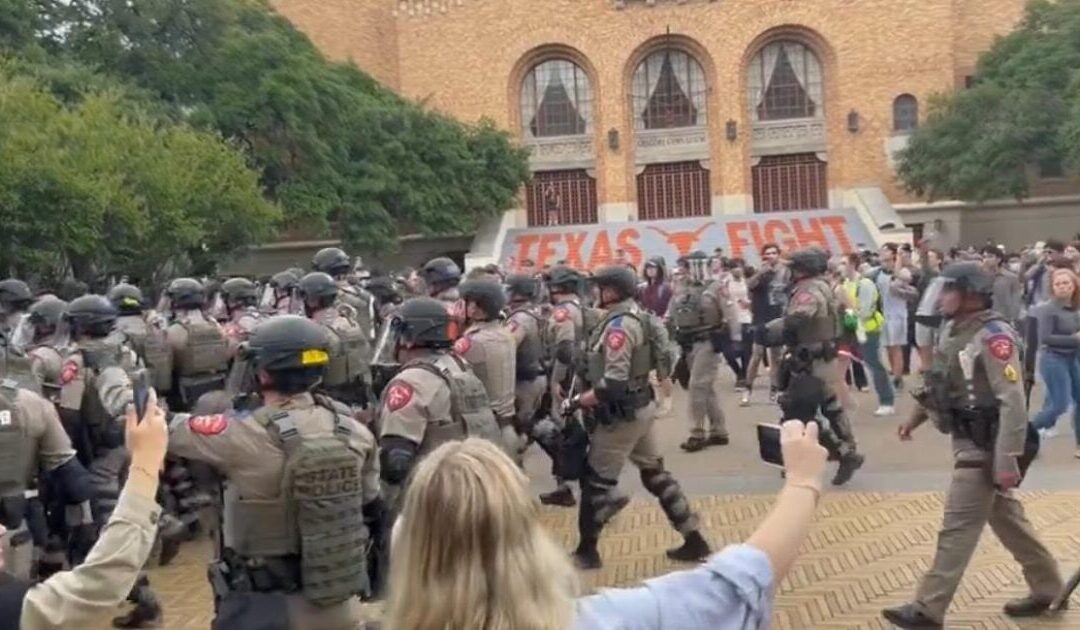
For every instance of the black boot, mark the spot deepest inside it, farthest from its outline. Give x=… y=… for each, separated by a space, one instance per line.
x=694 y=444
x=909 y=617
x=171 y=532
x=561 y=496
x=1029 y=606
x=848 y=465
x=586 y=557
x=693 y=549
x=718 y=440
x=143 y=615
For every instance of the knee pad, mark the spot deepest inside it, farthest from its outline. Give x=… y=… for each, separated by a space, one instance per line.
x=657 y=480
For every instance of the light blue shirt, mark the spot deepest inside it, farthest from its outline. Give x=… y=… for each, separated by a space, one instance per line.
x=732 y=590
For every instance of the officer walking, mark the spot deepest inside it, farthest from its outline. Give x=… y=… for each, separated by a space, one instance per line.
x=347 y=376
x=338 y=265
x=145 y=335
x=566 y=336
x=44 y=347
x=622 y=351
x=241 y=298
x=95 y=390
x=489 y=348
x=973 y=392
x=435 y=398
x=697 y=315
x=526 y=326
x=301 y=482
x=32 y=436
x=199 y=349
x=809 y=329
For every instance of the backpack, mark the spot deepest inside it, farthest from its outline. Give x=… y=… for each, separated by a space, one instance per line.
x=321 y=483
x=687 y=311
x=15 y=451
x=349 y=354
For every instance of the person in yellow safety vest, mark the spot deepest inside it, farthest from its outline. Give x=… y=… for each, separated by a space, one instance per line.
x=868 y=323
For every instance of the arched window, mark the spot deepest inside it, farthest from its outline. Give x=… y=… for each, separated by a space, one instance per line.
x=556 y=100
x=785 y=82
x=905 y=113
x=669 y=91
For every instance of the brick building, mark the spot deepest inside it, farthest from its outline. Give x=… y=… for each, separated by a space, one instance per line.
x=639 y=110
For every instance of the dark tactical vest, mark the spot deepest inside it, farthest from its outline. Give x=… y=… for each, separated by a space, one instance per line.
x=530 y=352
x=92 y=429
x=350 y=353
x=827 y=324
x=318 y=515
x=644 y=357
x=688 y=310
x=470 y=410
x=149 y=344
x=202 y=363
x=16 y=457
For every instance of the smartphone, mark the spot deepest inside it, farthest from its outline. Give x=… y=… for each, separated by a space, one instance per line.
x=768 y=436
x=141 y=386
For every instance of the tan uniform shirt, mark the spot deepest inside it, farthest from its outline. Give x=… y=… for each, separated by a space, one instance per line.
x=73 y=598
x=239 y=327
x=251 y=458
x=46 y=363
x=112 y=383
x=43 y=427
x=617 y=342
x=490 y=350
x=414 y=399
x=565 y=325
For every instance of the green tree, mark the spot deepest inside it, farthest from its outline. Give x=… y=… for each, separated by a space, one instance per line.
x=336 y=150
x=99 y=188
x=1023 y=109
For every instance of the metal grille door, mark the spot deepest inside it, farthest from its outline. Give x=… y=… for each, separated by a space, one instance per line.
x=790 y=182
x=561 y=198
x=673 y=191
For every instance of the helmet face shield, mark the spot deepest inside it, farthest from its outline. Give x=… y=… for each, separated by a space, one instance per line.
x=22 y=333
x=698 y=269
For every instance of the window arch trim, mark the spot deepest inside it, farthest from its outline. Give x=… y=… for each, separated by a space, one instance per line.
x=524 y=67
x=905 y=112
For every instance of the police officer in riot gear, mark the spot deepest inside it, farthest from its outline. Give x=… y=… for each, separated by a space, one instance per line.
x=489 y=348
x=45 y=347
x=95 y=390
x=199 y=348
x=623 y=349
x=435 y=397
x=387 y=299
x=973 y=392
x=301 y=483
x=442 y=276
x=526 y=325
x=337 y=264
x=15 y=299
x=145 y=335
x=565 y=335
x=810 y=375
x=696 y=313
x=240 y=297
x=32 y=438
x=277 y=297
x=347 y=375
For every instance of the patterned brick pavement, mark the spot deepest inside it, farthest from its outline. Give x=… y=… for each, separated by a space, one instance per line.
x=866 y=551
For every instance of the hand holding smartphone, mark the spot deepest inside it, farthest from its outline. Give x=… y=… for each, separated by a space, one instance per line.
x=769 y=444
x=141 y=387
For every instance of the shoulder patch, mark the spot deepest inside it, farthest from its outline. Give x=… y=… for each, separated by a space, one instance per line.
x=561 y=314
x=512 y=325
x=616 y=322
x=1001 y=346
x=397 y=395
x=463 y=345
x=208 y=425
x=802 y=297
x=615 y=339
x=69 y=372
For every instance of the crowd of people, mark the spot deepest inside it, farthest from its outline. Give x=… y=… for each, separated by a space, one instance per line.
x=345 y=434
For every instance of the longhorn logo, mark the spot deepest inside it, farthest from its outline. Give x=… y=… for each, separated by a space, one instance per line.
x=682 y=241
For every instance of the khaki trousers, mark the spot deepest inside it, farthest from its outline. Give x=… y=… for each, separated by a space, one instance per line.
x=704 y=362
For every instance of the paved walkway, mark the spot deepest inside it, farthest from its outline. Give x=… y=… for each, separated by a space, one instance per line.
x=870 y=543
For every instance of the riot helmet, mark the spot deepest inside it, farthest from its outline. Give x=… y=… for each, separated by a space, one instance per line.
x=127 y=298
x=44 y=320
x=15 y=295
x=186 y=293
x=90 y=316
x=619 y=278
x=278 y=292
x=969 y=277
x=697 y=266
x=810 y=262
x=294 y=351
x=522 y=287
x=440 y=274
x=317 y=290
x=425 y=322
x=564 y=279
x=485 y=293
x=239 y=293
x=384 y=289
x=331 y=260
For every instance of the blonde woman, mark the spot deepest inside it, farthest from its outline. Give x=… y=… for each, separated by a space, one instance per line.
x=469 y=552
